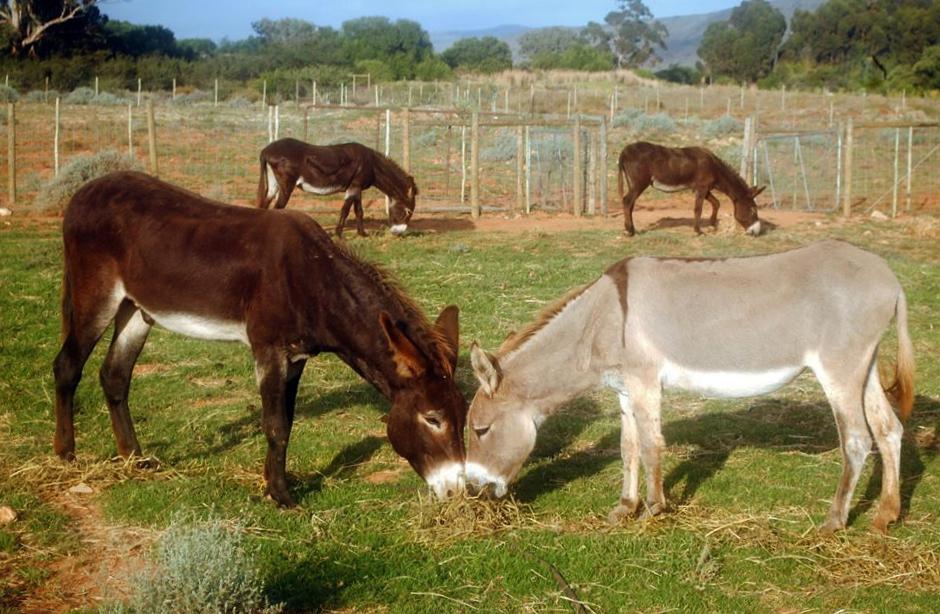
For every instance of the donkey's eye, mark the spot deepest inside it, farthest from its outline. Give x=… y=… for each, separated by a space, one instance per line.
x=433 y=419
x=482 y=431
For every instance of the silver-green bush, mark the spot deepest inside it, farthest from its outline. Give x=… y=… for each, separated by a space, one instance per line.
x=722 y=126
x=201 y=567
x=8 y=94
x=55 y=194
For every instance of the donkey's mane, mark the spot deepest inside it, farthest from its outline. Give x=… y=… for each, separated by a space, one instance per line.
x=517 y=339
x=729 y=174
x=392 y=176
x=425 y=335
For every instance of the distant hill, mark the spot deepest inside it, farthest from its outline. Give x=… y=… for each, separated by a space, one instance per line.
x=685 y=32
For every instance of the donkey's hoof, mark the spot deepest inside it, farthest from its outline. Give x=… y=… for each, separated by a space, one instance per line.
x=628 y=233
x=620 y=513
x=882 y=520
x=66 y=455
x=362 y=233
x=652 y=509
x=831 y=526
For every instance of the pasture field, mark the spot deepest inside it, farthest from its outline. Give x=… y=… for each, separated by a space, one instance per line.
x=748 y=480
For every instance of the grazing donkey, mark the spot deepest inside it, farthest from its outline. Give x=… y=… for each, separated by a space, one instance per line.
x=139 y=251
x=349 y=167
x=676 y=168
x=636 y=330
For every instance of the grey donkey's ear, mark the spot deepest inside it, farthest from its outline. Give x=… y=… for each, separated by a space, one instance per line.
x=486 y=368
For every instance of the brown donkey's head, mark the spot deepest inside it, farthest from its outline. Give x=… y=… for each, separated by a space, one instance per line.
x=745 y=210
x=401 y=210
x=426 y=422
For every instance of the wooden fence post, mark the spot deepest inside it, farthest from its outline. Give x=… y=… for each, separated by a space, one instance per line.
x=475 y=165
x=602 y=163
x=406 y=138
x=152 y=138
x=306 y=123
x=11 y=152
x=174 y=88
x=264 y=94
x=130 y=130
x=139 y=90
x=577 y=170
x=847 y=184
x=528 y=170
x=746 y=148
x=520 y=168
x=216 y=103
x=55 y=138
x=592 y=175
x=907 y=188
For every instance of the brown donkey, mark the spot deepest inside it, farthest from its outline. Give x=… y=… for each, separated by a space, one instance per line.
x=675 y=168
x=823 y=307
x=139 y=251
x=349 y=168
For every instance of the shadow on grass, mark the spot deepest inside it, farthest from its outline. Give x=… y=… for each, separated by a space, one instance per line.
x=319 y=404
x=342 y=466
x=689 y=222
x=778 y=424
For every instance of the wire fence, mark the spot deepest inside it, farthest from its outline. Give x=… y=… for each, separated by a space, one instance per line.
x=564 y=161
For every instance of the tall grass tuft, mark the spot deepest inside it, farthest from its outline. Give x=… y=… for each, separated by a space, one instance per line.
x=54 y=195
x=201 y=567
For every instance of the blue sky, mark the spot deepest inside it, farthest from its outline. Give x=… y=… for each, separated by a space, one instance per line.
x=232 y=18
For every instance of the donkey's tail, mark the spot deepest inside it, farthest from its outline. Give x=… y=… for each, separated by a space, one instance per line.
x=620 y=177
x=903 y=387
x=262 y=200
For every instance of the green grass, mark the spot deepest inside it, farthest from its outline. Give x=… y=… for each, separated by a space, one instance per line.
x=748 y=480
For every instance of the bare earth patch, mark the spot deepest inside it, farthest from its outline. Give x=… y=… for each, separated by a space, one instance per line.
x=99 y=572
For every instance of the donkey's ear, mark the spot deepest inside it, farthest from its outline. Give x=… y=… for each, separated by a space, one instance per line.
x=408 y=360
x=757 y=190
x=448 y=324
x=486 y=368
x=412 y=187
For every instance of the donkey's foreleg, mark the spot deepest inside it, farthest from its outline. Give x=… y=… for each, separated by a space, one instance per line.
x=699 y=201
x=284 y=190
x=360 y=228
x=344 y=213
x=713 y=220
x=630 y=454
x=887 y=430
x=277 y=389
x=130 y=334
x=646 y=409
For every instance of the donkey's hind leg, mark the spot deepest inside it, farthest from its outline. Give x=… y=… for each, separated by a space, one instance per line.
x=887 y=431
x=630 y=454
x=84 y=318
x=845 y=397
x=348 y=202
x=649 y=426
x=713 y=220
x=699 y=201
x=637 y=187
x=130 y=334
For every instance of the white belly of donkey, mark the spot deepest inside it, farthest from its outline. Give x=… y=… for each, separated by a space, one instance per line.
x=726 y=384
x=202 y=327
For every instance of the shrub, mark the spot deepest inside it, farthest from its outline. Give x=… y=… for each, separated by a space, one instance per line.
x=502 y=150
x=639 y=122
x=40 y=96
x=240 y=102
x=80 y=95
x=107 y=99
x=626 y=117
x=8 y=94
x=720 y=127
x=55 y=194
x=193 y=97
x=201 y=568
x=428 y=138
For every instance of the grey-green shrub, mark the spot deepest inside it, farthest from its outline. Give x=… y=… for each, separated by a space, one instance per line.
x=41 y=96
x=722 y=126
x=8 y=94
x=193 y=97
x=658 y=123
x=55 y=194
x=502 y=150
x=80 y=95
x=201 y=567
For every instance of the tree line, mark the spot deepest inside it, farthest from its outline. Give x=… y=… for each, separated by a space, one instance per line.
x=844 y=44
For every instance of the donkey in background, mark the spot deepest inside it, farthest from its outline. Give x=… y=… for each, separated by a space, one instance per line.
x=140 y=252
x=638 y=330
x=675 y=168
x=348 y=167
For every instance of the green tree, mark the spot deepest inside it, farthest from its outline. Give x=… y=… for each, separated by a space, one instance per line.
x=927 y=68
x=487 y=54
x=136 y=40
x=26 y=23
x=634 y=35
x=744 y=47
x=547 y=42
x=401 y=45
